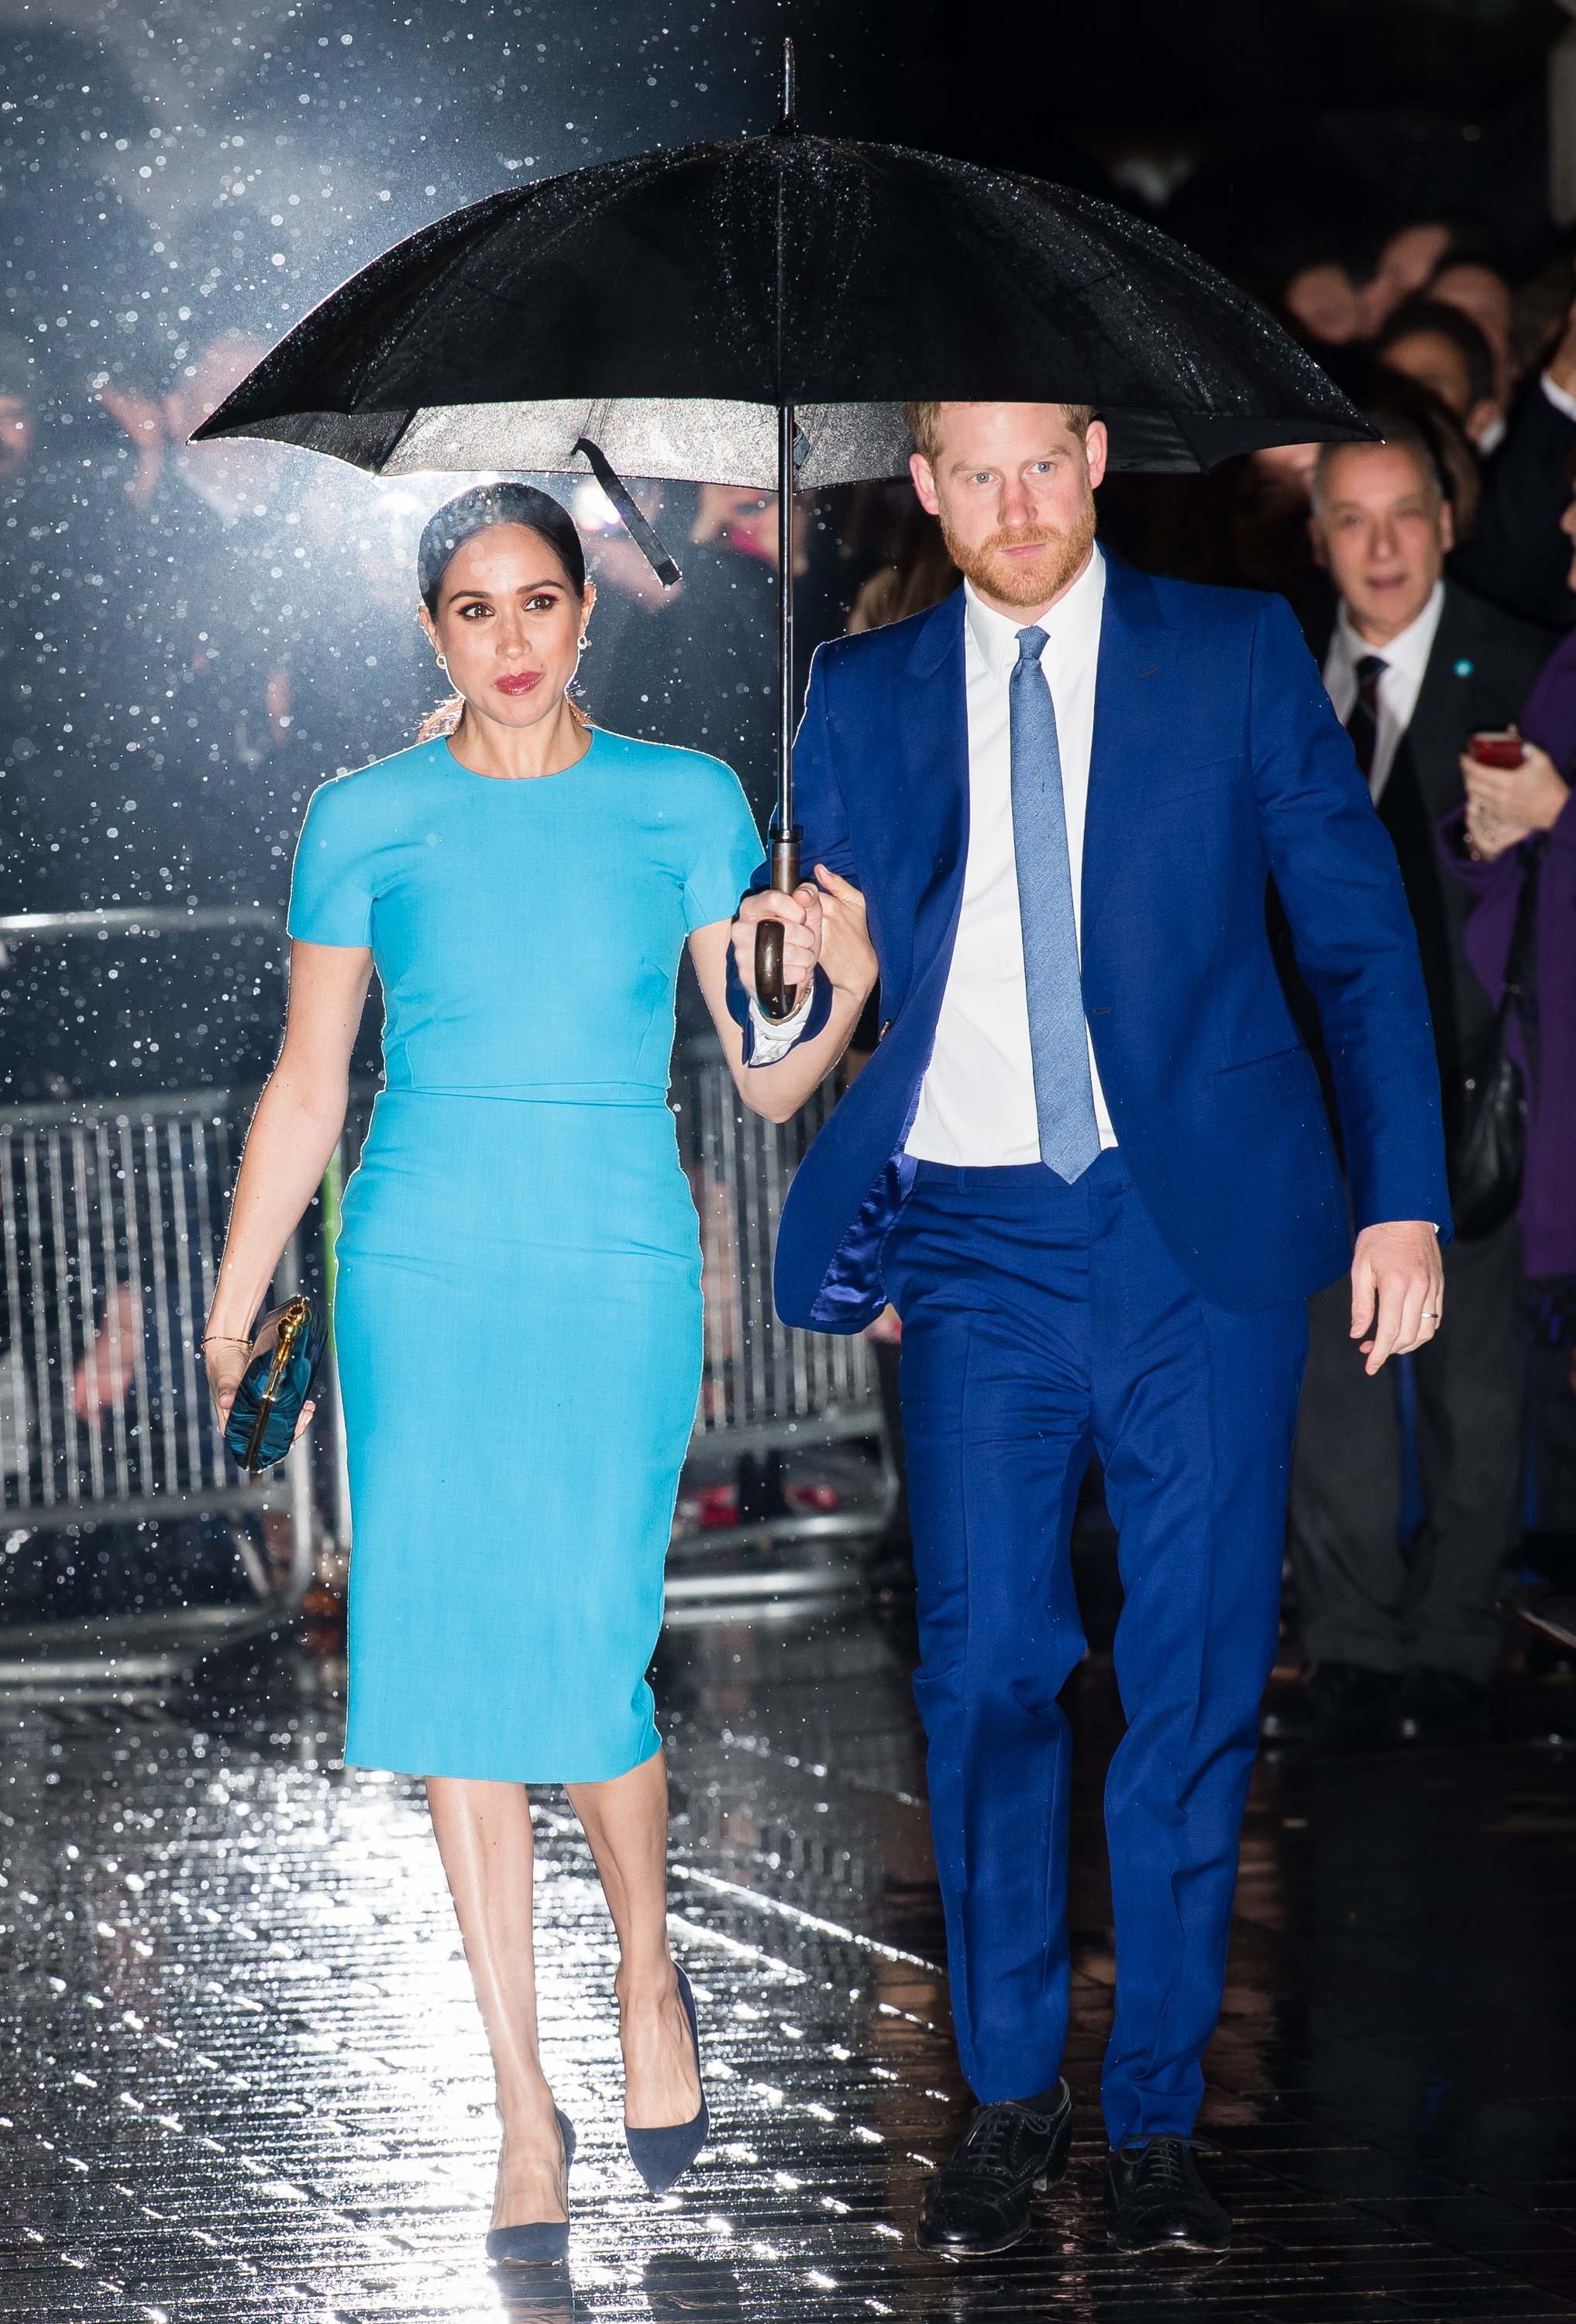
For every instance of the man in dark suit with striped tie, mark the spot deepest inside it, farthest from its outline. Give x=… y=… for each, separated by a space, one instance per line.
x=1410 y=1637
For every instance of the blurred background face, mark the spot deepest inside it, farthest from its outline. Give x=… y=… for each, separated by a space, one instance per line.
x=1381 y=529
x=16 y=433
x=745 y=520
x=1439 y=364
x=508 y=625
x=1013 y=486
x=1484 y=296
x=1436 y=364
x=1323 y=300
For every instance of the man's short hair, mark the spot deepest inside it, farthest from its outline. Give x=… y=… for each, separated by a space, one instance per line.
x=925 y=424
x=1396 y=427
x=1434 y=318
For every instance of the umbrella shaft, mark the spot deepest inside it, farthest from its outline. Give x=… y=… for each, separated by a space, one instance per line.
x=774 y=995
x=783 y=821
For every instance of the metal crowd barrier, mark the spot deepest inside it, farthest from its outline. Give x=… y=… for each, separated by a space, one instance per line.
x=771 y=1394
x=111 y=1215
x=766 y=1384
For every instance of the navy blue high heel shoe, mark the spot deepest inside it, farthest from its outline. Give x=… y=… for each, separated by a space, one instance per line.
x=540 y=2242
x=663 y=2155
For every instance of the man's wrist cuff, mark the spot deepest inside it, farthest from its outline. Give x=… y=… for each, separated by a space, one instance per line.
x=791 y=1023
x=768 y=1040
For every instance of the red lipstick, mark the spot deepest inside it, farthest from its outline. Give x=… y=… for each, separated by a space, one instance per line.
x=518 y=681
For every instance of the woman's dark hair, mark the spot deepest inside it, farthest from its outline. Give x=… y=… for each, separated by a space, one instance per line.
x=448 y=528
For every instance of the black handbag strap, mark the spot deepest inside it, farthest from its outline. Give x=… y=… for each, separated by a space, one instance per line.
x=1520 y=988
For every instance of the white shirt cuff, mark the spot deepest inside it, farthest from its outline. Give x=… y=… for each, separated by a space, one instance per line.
x=1561 y=398
x=776 y=1035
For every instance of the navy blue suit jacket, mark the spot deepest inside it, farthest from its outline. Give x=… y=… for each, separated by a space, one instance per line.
x=1217 y=759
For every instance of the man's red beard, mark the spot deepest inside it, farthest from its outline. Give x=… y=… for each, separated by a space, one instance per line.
x=1024 y=580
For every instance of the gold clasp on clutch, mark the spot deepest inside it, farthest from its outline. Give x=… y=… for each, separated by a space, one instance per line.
x=292 y=1322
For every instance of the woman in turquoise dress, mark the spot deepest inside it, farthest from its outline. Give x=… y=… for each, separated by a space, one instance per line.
x=518 y=1317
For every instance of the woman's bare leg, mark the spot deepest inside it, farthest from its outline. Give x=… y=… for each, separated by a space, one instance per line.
x=626 y=1822
x=484 y=1839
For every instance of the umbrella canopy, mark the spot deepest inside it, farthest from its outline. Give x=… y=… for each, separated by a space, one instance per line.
x=756 y=312
x=669 y=307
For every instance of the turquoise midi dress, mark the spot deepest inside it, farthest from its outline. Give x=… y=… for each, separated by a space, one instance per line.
x=517 y=1315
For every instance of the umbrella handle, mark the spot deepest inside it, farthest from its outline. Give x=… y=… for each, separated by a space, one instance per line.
x=776 y=1000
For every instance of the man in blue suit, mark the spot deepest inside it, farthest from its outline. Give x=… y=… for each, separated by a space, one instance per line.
x=1089 y=1164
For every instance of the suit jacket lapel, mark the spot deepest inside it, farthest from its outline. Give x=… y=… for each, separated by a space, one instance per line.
x=1131 y=690
x=933 y=734
x=1436 y=734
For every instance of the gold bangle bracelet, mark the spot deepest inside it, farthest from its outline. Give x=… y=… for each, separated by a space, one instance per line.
x=222 y=1340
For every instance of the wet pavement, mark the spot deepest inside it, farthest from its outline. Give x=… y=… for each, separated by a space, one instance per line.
x=244 y=2078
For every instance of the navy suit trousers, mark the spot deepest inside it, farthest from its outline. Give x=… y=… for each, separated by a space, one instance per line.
x=1040 y=1322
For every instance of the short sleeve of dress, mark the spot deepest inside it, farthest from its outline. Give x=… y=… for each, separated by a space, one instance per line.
x=725 y=848
x=330 y=897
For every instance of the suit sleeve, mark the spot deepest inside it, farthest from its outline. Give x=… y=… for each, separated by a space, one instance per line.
x=1340 y=887
x=818 y=795
x=818 y=804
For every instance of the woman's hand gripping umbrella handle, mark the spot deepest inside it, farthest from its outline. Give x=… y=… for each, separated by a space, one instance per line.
x=777 y=1001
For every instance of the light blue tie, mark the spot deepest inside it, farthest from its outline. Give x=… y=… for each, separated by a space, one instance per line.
x=1063 y=1094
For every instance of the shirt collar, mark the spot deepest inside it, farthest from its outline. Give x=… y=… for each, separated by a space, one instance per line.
x=1408 y=650
x=1073 y=620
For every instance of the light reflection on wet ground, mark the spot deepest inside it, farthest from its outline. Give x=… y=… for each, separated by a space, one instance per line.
x=244 y=2078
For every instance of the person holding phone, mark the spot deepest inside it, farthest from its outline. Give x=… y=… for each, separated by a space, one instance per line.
x=1517 y=826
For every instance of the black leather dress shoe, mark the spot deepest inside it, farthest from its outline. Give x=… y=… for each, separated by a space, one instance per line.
x=979 y=2200
x=1157 y=2202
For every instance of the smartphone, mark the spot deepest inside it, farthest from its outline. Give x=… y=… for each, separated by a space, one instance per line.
x=1500 y=746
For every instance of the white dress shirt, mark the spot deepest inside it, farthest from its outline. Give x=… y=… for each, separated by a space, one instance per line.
x=1406 y=660
x=1560 y=397
x=977 y=1101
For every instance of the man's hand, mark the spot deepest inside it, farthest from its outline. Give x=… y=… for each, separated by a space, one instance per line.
x=800 y=914
x=1398 y=1289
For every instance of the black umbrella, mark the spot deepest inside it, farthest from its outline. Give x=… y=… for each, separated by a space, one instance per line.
x=755 y=313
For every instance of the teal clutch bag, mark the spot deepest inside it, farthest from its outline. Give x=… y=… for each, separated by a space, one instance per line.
x=276 y=1384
